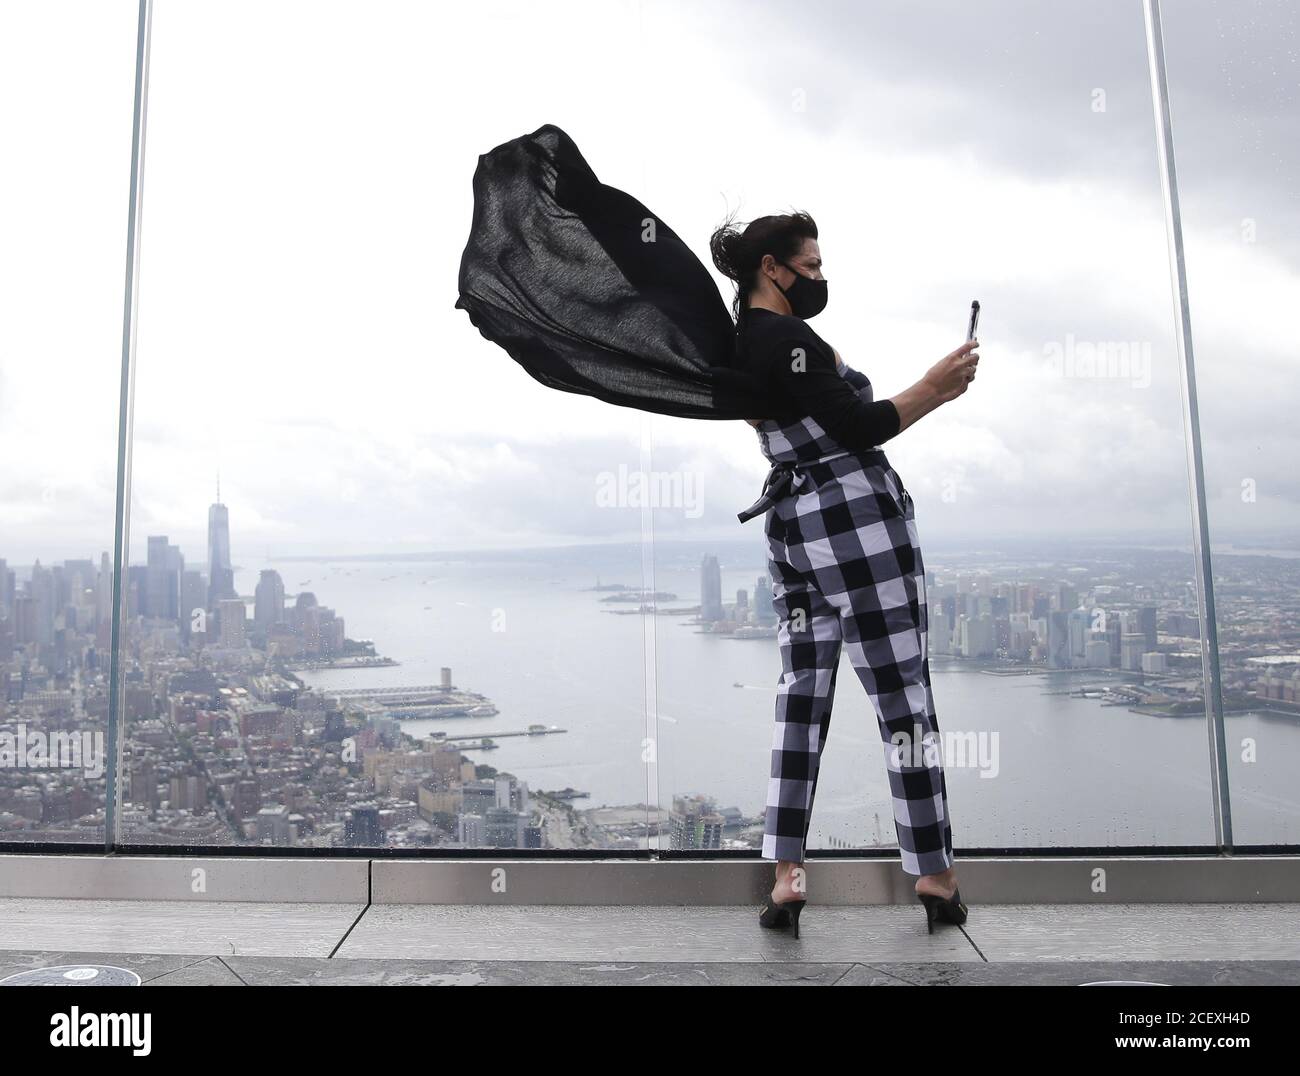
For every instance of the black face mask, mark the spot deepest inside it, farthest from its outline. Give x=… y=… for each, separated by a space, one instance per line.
x=806 y=296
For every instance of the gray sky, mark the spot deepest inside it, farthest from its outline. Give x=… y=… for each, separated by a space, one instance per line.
x=307 y=197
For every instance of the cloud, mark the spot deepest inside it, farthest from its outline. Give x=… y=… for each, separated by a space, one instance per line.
x=304 y=222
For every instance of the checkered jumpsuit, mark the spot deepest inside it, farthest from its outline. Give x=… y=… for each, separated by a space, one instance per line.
x=847 y=571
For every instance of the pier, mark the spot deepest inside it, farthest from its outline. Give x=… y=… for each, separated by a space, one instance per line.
x=419 y=703
x=548 y=731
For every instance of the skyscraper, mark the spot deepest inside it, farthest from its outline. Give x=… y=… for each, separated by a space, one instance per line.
x=221 y=577
x=1147 y=625
x=1080 y=626
x=268 y=600
x=710 y=589
x=232 y=618
x=1058 y=639
x=165 y=566
x=1067 y=598
x=40 y=587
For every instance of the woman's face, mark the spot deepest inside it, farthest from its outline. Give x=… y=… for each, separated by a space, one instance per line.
x=807 y=261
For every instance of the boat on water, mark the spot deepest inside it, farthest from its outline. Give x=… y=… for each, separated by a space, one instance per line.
x=569 y=793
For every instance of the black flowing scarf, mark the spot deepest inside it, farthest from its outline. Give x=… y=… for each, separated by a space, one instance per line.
x=592 y=293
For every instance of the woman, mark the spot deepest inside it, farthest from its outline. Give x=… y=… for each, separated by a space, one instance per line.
x=590 y=292
x=844 y=557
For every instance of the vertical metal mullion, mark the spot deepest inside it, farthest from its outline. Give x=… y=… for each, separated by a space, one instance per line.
x=1210 y=673
x=126 y=412
x=650 y=621
x=649 y=634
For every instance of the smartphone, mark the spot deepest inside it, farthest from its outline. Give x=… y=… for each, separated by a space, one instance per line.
x=974 y=320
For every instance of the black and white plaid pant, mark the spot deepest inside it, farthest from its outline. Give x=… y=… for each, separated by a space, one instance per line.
x=847 y=571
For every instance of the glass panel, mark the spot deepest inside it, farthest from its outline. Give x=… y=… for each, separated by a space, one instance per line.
x=1004 y=153
x=1233 y=88
x=67 y=78
x=407 y=539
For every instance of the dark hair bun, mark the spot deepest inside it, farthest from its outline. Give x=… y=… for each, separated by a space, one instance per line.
x=727 y=246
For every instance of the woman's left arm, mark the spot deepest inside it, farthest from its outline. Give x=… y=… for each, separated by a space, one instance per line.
x=854 y=377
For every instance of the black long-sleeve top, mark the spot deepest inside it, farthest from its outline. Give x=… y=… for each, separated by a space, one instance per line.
x=796 y=369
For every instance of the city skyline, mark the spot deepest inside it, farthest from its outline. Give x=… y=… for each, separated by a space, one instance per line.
x=234 y=747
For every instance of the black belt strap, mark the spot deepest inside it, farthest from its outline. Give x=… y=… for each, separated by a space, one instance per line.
x=786 y=478
x=782 y=480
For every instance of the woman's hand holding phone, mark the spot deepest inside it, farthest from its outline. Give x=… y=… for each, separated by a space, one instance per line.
x=952 y=375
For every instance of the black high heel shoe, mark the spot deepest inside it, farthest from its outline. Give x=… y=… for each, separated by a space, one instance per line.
x=781 y=914
x=939 y=910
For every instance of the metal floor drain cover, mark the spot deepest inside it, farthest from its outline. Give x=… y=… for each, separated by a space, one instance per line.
x=74 y=975
x=1122 y=982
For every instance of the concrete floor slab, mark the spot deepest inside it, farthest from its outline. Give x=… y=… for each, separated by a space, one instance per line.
x=1006 y=932
x=1080 y=972
x=268 y=971
x=640 y=933
x=183 y=970
x=213 y=928
x=235 y=943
